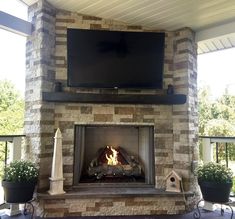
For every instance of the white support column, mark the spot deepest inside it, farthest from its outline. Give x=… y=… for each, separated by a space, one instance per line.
x=14 y=154
x=15 y=149
x=207 y=150
x=14 y=210
x=207 y=156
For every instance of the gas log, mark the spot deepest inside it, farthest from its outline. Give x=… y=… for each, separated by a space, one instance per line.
x=111 y=162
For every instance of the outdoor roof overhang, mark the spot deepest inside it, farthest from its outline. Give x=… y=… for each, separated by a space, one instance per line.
x=216 y=38
x=213 y=21
x=15 y=24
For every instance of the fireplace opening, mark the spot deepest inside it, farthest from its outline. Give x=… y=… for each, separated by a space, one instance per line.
x=120 y=155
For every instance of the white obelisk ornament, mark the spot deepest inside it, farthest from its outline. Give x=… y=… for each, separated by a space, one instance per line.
x=57 y=179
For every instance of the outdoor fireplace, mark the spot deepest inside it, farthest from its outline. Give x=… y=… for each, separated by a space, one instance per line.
x=162 y=135
x=120 y=155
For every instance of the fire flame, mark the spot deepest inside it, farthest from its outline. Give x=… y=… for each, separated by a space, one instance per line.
x=112 y=159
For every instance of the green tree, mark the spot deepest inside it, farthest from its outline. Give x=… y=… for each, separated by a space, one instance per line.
x=223 y=108
x=217 y=118
x=204 y=108
x=219 y=128
x=11 y=109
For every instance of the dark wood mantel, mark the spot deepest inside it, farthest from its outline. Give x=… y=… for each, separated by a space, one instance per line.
x=163 y=99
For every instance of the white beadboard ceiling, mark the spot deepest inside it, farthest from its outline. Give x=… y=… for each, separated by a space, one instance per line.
x=203 y=16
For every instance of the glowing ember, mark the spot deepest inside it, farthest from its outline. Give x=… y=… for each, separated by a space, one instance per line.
x=112 y=159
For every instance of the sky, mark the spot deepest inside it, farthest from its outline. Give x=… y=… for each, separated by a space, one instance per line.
x=215 y=69
x=12 y=47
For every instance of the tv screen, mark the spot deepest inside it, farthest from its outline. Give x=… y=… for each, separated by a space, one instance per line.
x=115 y=59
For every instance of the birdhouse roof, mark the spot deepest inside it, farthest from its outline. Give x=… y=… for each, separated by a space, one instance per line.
x=173 y=173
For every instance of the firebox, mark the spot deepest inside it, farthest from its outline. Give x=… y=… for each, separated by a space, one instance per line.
x=108 y=155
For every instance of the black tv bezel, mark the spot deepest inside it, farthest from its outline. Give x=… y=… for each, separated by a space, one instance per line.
x=155 y=86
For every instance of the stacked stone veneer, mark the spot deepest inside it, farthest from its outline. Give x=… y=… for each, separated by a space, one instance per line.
x=175 y=136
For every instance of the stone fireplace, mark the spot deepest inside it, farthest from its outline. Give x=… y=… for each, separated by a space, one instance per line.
x=159 y=135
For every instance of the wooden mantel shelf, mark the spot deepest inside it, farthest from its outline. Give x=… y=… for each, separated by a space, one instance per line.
x=114 y=98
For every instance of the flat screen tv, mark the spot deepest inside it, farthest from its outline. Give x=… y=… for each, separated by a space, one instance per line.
x=115 y=59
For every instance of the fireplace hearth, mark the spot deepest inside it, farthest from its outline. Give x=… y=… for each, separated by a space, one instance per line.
x=113 y=154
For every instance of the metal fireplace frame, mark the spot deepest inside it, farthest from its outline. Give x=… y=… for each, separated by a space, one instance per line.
x=79 y=147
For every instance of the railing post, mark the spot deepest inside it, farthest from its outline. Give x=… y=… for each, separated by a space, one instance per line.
x=207 y=156
x=217 y=151
x=226 y=153
x=14 y=154
x=207 y=150
x=15 y=149
x=5 y=158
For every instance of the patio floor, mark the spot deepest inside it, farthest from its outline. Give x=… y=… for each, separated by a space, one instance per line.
x=205 y=215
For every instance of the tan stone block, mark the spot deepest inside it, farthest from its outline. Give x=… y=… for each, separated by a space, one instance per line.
x=85 y=118
x=179 y=203
x=103 y=110
x=68 y=175
x=145 y=110
x=181 y=157
x=91 y=213
x=181 y=126
x=150 y=117
x=158 y=212
x=95 y=26
x=103 y=117
x=117 y=204
x=103 y=204
x=78 y=207
x=56 y=206
x=119 y=118
x=68 y=181
x=94 y=209
x=72 y=107
x=64 y=21
x=88 y=202
x=54 y=214
x=60 y=75
x=72 y=214
x=124 y=110
x=86 y=109
x=126 y=120
x=82 y=25
x=64 y=14
x=182 y=150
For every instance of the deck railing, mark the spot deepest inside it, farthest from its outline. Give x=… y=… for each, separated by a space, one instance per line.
x=210 y=145
x=13 y=146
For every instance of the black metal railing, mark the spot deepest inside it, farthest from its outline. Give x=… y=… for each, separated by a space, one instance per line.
x=8 y=139
x=216 y=142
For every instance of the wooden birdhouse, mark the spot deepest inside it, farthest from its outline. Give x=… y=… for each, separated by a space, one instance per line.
x=173 y=182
